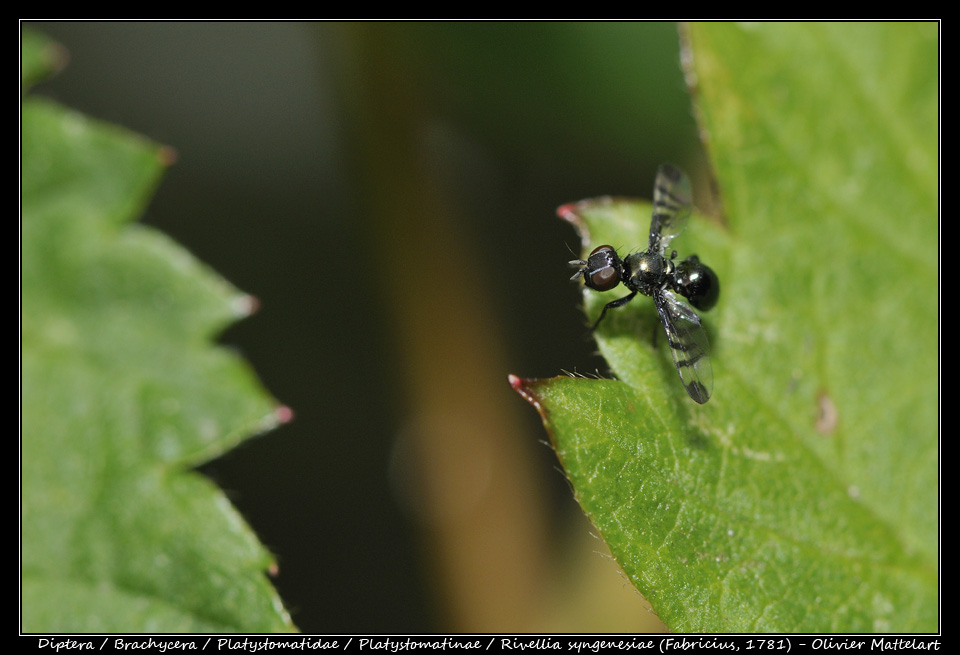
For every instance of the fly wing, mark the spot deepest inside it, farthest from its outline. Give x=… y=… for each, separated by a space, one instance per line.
x=671 y=207
x=688 y=345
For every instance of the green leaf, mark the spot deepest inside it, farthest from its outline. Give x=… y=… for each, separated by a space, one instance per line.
x=39 y=58
x=804 y=495
x=122 y=393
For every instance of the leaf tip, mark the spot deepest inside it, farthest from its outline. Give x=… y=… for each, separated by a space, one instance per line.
x=167 y=156
x=283 y=414
x=525 y=389
x=40 y=58
x=570 y=213
x=245 y=305
x=56 y=57
x=565 y=211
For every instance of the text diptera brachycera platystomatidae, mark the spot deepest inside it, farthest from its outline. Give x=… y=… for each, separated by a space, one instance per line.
x=653 y=273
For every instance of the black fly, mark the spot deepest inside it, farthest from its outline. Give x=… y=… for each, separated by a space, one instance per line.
x=654 y=274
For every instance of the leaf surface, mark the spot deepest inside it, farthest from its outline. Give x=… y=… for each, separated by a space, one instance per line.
x=804 y=495
x=122 y=393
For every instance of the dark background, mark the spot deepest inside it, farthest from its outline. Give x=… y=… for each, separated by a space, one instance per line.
x=388 y=192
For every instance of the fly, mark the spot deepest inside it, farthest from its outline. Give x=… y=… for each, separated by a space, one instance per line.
x=652 y=273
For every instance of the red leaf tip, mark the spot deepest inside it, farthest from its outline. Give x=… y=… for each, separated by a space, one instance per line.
x=167 y=156
x=284 y=414
x=568 y=211
x=245 y=305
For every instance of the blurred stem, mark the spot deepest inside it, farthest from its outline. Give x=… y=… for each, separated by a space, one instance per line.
x=475 y=481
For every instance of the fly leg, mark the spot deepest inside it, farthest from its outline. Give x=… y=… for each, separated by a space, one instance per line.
x=613 y=304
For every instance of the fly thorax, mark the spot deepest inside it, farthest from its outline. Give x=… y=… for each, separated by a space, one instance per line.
x=647 y=270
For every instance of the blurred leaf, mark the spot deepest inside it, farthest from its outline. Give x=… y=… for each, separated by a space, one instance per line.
x=122 y=393
x=804 y=495
x=39 y=57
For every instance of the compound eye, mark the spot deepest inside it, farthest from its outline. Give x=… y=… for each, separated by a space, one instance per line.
x=603 y=268
x=604 y=279
x=605 y=250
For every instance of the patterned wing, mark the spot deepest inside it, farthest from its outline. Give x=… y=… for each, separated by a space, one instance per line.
x=688 y=345
x=671 y=207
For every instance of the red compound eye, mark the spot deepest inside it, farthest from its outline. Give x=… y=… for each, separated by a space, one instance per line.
x=603 y=268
